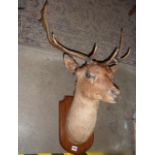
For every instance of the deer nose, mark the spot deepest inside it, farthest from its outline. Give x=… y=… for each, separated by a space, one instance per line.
x=115 y=92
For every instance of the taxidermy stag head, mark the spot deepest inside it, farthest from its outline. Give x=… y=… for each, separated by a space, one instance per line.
x=94 y=83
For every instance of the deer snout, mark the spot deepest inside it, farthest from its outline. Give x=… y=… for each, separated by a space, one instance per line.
x=114 y=93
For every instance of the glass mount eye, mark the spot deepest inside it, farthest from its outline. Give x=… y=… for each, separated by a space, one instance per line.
x=89 y=75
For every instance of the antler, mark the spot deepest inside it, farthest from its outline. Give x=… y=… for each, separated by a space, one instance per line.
x=113 y=59
x=54 y=42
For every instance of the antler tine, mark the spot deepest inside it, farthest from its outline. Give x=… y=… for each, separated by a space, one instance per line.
x=121 y=47
x=117 y=50
x=112 y=57
x=91 y=54
x=93 y=51
x=126 y=54
x=53 y=41
x=114 y=60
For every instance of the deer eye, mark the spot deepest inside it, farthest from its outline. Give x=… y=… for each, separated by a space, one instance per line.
x=89 y=75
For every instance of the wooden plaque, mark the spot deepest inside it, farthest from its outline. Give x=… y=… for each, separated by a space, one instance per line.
x=64 y=106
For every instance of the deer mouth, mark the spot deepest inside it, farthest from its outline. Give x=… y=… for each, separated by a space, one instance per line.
x=114 y=99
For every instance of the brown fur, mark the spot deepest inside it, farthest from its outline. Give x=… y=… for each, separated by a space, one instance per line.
x=82 y=116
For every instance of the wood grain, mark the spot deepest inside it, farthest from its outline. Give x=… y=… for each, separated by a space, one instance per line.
x=64 y=106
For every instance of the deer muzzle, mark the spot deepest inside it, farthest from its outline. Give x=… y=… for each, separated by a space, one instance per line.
x=114 y=92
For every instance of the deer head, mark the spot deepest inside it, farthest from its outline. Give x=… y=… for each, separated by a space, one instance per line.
x=94 y=79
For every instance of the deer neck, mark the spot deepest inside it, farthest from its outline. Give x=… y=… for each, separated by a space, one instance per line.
x=83 y=101
x=81 y=119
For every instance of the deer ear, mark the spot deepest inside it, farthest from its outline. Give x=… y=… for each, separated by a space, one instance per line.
x=114 y=68
x=70 y=63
